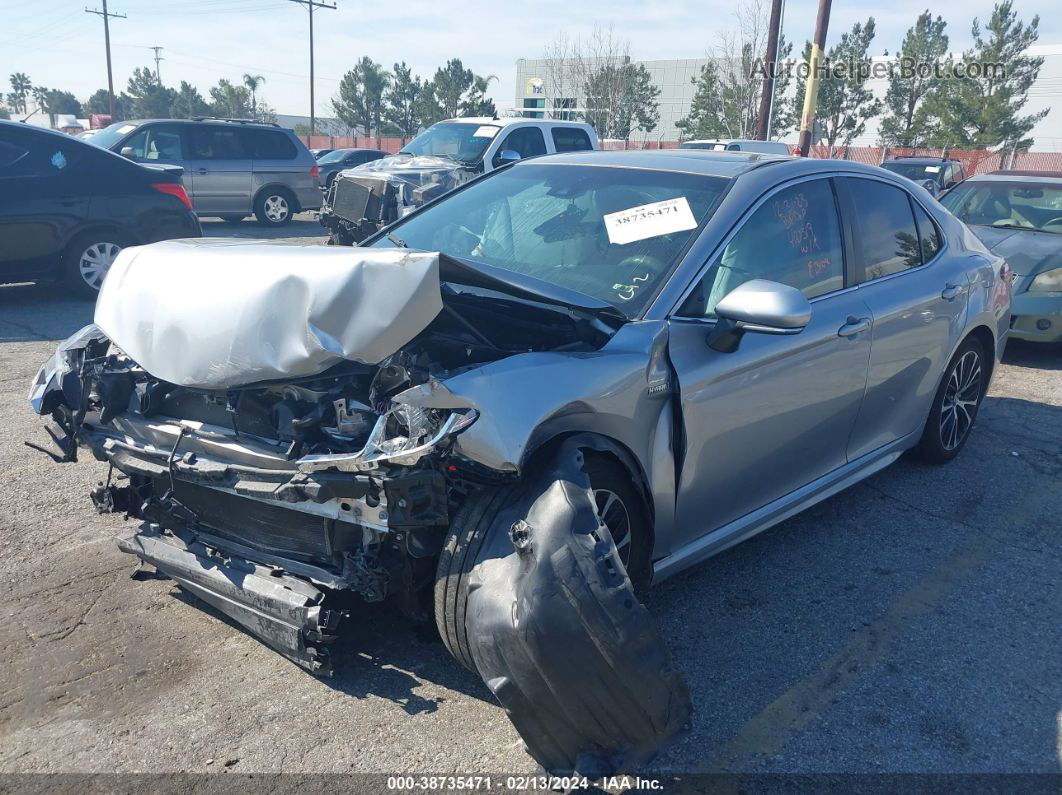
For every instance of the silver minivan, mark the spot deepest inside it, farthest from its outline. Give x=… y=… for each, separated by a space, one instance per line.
x=232 y=167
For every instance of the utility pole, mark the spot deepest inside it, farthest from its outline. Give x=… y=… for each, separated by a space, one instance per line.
x=311 y=5
x=763 y=122
x=158 y=74
x=811 y=89
x=107 y=43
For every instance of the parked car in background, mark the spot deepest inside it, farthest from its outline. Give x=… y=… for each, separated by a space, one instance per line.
x=367 y=198
x=339 y=159
x=522 y=402
x=232 y=167
x=935 y=174
x=319 y=153
x=67 y=208
x=1018 y=215
x=739 y=145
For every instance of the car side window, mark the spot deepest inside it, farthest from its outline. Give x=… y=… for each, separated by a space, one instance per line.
x=571 y=139
x=210 y=143
x=38 y=156
x=928 y=234
x=527 y=141
x=268 y=144
x=886 y=238
x=794 y=237
x=156 y=142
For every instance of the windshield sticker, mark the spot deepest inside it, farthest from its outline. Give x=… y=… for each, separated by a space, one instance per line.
x=932 y=169
x=126 y=128
x=59 y=160
x=625 y=292
x=649 y=220
x=486 y=131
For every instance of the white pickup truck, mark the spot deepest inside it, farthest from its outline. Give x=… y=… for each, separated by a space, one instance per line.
x=364 y=199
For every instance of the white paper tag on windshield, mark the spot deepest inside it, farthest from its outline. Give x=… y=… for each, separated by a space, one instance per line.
x=932 y=169
x=649 y=220
x=486 y=131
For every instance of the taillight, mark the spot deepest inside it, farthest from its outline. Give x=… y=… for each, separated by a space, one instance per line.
x=174 y=189
x=315 y=172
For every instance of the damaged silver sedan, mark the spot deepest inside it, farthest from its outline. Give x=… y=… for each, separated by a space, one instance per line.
x=515 y=408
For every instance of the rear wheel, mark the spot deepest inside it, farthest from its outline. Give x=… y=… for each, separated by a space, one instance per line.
x=87 y=260
x=619 y=507
x=274 y=207
x=955 y=405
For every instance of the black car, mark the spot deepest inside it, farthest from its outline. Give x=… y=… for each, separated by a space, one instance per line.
x=339 y=159
x=935 y=174
x=67 y=208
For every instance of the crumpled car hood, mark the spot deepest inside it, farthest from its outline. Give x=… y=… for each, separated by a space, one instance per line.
x=215 y=314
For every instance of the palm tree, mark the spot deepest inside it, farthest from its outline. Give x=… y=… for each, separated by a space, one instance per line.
x=20 y=88
x=253 y=82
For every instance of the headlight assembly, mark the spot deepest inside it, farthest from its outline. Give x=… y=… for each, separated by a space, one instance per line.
x=1047 y=282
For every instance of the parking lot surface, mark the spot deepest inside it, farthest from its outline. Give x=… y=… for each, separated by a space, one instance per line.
x=910 y=623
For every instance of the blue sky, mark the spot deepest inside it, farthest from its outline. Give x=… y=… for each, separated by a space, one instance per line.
x=61 y=46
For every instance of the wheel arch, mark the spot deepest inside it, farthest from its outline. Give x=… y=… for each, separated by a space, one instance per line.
x=296 y=206
x=607 y=446
x=983 y=334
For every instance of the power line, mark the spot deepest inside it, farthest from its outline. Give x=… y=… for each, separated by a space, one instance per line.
x=311 y=5
x=107 y=44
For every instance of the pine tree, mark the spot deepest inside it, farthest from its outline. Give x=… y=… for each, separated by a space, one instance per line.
x=985 y=110
x=924 y=46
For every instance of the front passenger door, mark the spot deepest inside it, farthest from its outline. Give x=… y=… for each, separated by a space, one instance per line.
x=776 y=414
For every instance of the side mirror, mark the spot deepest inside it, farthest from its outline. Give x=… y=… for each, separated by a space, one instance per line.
x=129 y=152
x=505 y=157
x=760 y=307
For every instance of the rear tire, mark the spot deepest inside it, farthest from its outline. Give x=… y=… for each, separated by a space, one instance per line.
x=87 y=259
x=470 y=526
x=274 y=207
x=955 y=405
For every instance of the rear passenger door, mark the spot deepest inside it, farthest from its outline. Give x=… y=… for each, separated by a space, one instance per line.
x=219 y=166
x=917 y=297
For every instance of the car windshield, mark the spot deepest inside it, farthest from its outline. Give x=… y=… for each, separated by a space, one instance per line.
x=916 y=172
x=456 y=140
x=1028 y=205
x=109 y=136
x=608 y=232
x=335 y=156
x=702 y=145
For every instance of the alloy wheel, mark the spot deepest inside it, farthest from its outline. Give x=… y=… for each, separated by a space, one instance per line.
x=276 y=208
x=95 y=261
x=613 y=514
x=960 y=400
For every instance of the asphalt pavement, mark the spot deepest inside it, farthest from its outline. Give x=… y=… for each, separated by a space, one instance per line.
x=909 y=624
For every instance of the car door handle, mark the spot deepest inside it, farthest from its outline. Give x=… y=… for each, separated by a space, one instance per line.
x=201 y=171
x=854 y=326
x=950 y=291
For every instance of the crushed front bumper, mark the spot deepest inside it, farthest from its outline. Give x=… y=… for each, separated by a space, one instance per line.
x=286 y=613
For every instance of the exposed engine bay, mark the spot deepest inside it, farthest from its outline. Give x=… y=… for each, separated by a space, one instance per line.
x=365 y=199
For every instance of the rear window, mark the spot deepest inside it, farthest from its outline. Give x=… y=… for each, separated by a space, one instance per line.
x=571 y=139
x=269 y=145
x=38 y=155
x=888 y=238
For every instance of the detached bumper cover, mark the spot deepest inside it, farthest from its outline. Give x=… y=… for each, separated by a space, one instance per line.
x=559 y=637
x=284 y=612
